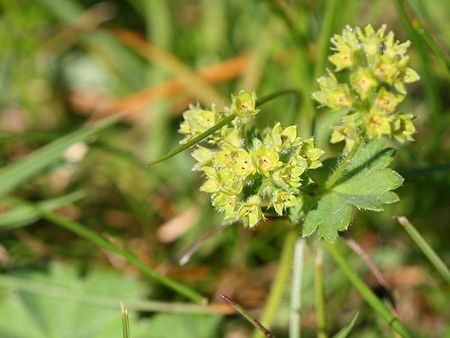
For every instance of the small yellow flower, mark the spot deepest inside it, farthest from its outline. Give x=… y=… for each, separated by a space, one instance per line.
x=403 y=128
x=225 y=203
x=250 y=211
x=196 y=121
x=243 y=163
x=266 y=158
x=363 y=82
x=282 y=200
x=244 y=104
x=387 y=101
x=378 y=124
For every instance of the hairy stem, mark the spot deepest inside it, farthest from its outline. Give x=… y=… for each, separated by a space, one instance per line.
x=343 y=164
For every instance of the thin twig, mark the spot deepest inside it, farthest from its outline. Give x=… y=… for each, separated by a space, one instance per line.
x=256 y=323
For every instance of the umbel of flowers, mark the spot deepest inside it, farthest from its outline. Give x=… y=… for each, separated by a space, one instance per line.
x=249 y=172
x=368 y=82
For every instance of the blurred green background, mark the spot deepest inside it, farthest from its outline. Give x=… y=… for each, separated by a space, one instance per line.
x=67 y=63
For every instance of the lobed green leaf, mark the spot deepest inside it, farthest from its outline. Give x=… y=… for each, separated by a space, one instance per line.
x=365 y=183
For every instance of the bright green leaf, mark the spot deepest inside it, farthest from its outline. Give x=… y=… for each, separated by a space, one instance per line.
x=31 y=315
x=365 y=183
x=331 y=215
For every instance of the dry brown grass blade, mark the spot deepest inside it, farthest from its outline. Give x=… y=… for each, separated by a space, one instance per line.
x=87 y=22
x=213 y=74
x=87 y=102
x=194 y=84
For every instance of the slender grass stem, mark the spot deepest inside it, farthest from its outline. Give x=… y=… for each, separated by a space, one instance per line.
x=429 y=80
x=279 y=285
x=125 y=322
x=321 y=314
x=91 y=236
x=426 y=248
x=377 y=305
x=427 y=38
x=296 y=289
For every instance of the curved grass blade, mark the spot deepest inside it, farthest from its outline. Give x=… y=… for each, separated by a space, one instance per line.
x=224 y=122
x=16 y=173
x=343 y=333
x=426 y=248
x=22 y=214
x=84 y=232
x=367 y=293
x=426 y=36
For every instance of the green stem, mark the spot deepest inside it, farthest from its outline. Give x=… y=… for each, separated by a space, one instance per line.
x=296 y=289
x=294 y=92
x=279 y=285
x=426 y=249
x=320 y=296
x=195 y=140
x=224 y=122
x=343 y=164
x=367 y=293
x=125 y=321
x=91 y=236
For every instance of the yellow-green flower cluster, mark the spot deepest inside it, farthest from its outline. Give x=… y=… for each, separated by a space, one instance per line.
x=250 y=172
x=368 y=82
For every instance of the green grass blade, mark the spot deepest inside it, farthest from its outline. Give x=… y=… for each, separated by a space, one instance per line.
x=426 y=248
x=343 y=333
x=84 y=232
x=125 y=322
x=427 y=38
x=367 y=293
x=17 y=173
x=429 y=80
x=22 y=214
